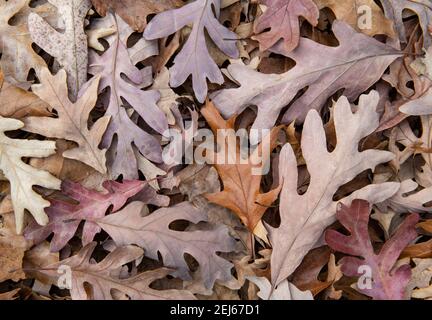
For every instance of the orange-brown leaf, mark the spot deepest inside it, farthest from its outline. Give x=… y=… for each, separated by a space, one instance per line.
x=242 y=189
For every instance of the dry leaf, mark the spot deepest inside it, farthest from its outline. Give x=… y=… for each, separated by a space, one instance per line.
x=105 y=277
x=68 y=47
x=23 y=177
x=304 y=217
x=242 y=185
x=135 y=12
x=152 y=232
x=72 y=121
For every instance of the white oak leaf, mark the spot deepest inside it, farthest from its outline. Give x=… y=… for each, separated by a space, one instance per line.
x=72 y=121
x=304 y=217
x=22 y=177
x=68 y=47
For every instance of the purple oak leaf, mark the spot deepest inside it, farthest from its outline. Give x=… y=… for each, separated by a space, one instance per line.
x=119 y=73
x=387 y=281
x=65 y=217
x=134 y=225
x=356 y=64
x=281 y=22
x=194 y=59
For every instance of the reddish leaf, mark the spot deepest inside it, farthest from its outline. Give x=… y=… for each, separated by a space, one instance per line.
x=388 y=282
x=282 y=18
x=65 y=217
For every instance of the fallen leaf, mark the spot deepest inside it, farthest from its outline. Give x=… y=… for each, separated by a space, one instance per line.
x=16 y=102
x=281 y=21
x=135 y=12
x=285 y=290
x=105 y=278
x=23 y=177
x=304 y=217
x=305 y=277
x=18 y=56
x=387 y=283
x=419 y=250
x=323 y=70
x=194 y=58
x=242 y=185
x=66 y=216
x=363 y=15
x=72 y=121
x=117 y=72
x=68 y=47
x=394 y=10
x=152 y=232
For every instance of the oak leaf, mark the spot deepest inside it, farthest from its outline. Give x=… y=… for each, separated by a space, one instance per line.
x=306 y=275
x=65 y=217
x=105 y=277
x=322 y=70
x=410 y=199
x=18 y=56
x=72 y=121
x=23 y=177
x=304 y=217
x=418 y=250
x=12 y=248
x=388 y=282
x=394 y=9
x=117 y=70
x=364 y=12
x=194 y=58
x=421 y=277
x=285 y=290
x=16 y=102
x=281 y=17
x=404 y=143
x=68 y=47
x=242 y=185
x=153 y=233
x=135 y=12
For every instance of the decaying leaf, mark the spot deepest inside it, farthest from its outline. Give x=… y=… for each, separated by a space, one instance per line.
x=12 y=248
x=304 y=217
x=421 y=277
x=117 y=71
x=404 y=143
x=194 y=58
x=281 y=17
x=18 y=56
x=68 y=47
x=408 y=200
x=285 y=290
x=153 y=233
x=306 y=275
x=132 y=123
x=394 y=10
x=387 y=283
x=16 y=102
x=323 y=70
x=72 y=121
x=89 y=206
x=135 y=12
x=23 y=177
x=363 y=15
x=105 y=277
x=242 y=185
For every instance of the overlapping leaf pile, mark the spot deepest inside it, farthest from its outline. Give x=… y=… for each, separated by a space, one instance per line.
x=91 y=209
